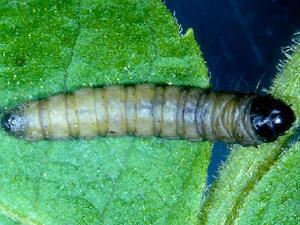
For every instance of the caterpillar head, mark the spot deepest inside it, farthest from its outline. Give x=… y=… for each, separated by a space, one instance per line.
x=270 y=117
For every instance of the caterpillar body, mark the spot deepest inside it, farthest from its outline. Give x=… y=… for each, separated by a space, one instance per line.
x=148 y=110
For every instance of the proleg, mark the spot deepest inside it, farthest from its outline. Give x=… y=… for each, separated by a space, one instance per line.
x=147 y=110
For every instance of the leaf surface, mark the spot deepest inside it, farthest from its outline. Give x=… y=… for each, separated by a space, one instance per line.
x=47 y=47
x=261 y=185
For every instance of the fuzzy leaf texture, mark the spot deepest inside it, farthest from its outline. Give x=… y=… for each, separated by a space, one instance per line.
x=261 y=185
x=47 y=47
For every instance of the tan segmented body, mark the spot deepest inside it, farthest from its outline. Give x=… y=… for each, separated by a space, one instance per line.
x=141 y=110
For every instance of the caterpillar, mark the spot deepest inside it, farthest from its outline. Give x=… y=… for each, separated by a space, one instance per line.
x=149 y=110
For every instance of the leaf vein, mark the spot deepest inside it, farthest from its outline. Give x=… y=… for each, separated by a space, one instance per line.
x=16 y=216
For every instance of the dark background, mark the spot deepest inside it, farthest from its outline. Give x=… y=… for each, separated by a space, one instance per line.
x=241 y=41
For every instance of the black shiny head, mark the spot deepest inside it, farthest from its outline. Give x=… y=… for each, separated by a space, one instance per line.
x=270 y=117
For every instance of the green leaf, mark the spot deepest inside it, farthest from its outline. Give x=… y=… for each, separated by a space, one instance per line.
x=261 y=185
x=275 y=199
x=48 y=47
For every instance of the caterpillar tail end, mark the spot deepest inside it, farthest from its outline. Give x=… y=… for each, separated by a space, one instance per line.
x=5 y=122
x=13 y=123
